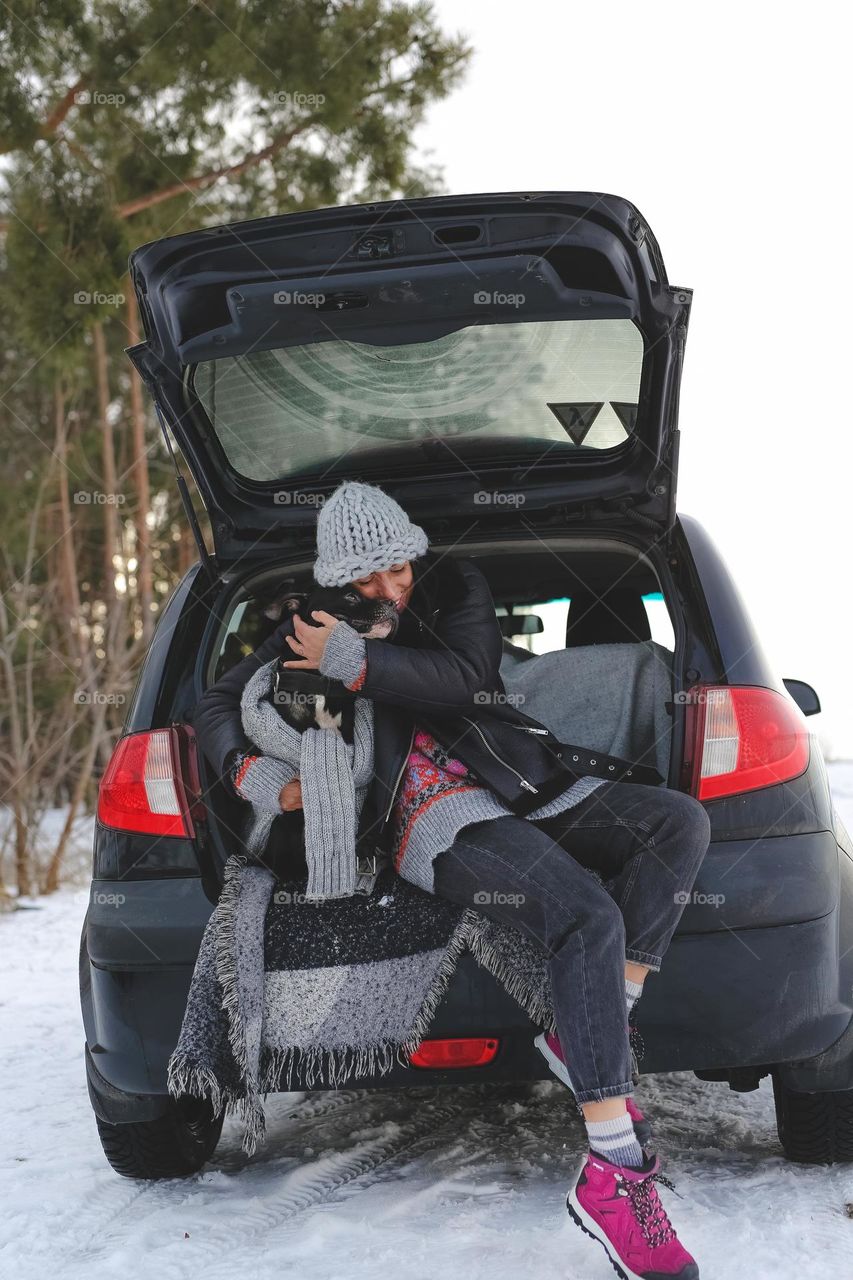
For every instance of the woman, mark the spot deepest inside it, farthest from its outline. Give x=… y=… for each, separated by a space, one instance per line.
x=452 y=835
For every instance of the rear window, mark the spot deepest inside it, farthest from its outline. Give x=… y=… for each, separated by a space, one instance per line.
x=544 y=390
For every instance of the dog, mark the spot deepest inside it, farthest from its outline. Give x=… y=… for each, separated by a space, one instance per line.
x=309 y=700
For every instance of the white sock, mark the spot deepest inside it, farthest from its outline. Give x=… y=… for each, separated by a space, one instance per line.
x=615 y=1140
x=633 y=991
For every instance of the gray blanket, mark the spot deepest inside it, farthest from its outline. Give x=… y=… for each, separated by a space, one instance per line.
x=288 y=993
x=608 y=696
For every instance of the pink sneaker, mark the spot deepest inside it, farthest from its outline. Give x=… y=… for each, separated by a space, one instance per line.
x=618 y=1205
x=549 y=1046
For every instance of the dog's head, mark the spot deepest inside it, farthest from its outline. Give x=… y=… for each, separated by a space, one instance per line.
x=373 y=619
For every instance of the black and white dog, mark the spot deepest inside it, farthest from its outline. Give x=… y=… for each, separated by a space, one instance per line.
x=308 y=699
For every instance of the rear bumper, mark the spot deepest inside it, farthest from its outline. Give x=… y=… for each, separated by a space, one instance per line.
x=705 y=1010
x=751 y=997
x=732 y=996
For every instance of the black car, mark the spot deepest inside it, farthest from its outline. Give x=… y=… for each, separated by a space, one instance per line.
x=507 y=366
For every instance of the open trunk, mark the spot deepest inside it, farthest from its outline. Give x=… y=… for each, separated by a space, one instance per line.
x=471 y=354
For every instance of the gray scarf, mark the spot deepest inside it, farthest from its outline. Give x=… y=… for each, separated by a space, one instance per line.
x=334 y=777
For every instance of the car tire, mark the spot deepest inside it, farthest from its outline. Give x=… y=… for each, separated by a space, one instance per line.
x=174 y=1145
x=814 y=1128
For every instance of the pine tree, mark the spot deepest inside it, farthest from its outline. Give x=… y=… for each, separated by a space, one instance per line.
x=121 y=123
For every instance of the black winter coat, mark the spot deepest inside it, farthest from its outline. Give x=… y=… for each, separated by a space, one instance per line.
x=441 y=672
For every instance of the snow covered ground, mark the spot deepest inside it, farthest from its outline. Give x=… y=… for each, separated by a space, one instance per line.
x=356 y=1184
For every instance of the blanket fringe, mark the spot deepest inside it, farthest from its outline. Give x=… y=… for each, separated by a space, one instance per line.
x=331 y=1067
x=187 y=1078
x=486 y=956
x=459 y=942
x=225 y=961
x=225 y=956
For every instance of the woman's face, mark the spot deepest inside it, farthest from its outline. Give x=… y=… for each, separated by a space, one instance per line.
x=391 y=584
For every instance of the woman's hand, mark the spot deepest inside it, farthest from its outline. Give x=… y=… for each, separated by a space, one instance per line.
x=309 y=642
x=290 y=796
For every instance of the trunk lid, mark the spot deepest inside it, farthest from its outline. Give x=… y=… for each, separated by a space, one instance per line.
x=478 y=356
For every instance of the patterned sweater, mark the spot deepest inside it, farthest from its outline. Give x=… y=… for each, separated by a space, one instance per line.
x=437 y=795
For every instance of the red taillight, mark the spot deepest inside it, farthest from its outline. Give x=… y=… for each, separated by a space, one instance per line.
x=143 y=787
x=470 y=1051
x=742 y=737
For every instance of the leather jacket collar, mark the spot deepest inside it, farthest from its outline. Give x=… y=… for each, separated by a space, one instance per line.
x=438 y=584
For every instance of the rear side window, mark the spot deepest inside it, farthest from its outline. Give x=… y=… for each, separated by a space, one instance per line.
x=251 y=620
x=614 y=618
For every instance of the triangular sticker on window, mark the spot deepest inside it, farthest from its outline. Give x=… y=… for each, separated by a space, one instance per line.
x=626 y=413
x=576 y=418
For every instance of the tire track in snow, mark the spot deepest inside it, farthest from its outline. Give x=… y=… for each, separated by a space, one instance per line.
x=114 y=1199
x=313 y=1185
x=308 y=1185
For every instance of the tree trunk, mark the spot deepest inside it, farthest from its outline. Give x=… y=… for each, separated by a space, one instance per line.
x=111 y=539
x=23 y=867
x=70 y=593
x=187 y=549
x=114 y=628
x=83 y=657
x=84 y=774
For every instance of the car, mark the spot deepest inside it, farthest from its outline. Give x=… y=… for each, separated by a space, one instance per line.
x=507 y=366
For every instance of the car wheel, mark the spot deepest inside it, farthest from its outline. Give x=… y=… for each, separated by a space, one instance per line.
x=814 y=1128
x=172 y=1146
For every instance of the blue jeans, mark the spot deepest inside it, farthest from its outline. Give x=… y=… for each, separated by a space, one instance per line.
x=643 y=846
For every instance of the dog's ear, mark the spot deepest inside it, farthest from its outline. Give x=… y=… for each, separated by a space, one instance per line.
x=294 y=602
x=285 y=605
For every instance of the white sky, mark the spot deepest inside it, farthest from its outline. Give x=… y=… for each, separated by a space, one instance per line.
x=727 y=127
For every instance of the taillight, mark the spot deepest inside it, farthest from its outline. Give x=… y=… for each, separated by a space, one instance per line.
x=461 y=1051
x=143 y=787
x=742 y=737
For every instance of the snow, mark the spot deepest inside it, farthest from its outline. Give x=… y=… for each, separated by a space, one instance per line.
x=356 y=1184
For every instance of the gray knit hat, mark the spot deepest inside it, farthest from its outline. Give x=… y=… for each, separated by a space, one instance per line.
x=360 y=529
